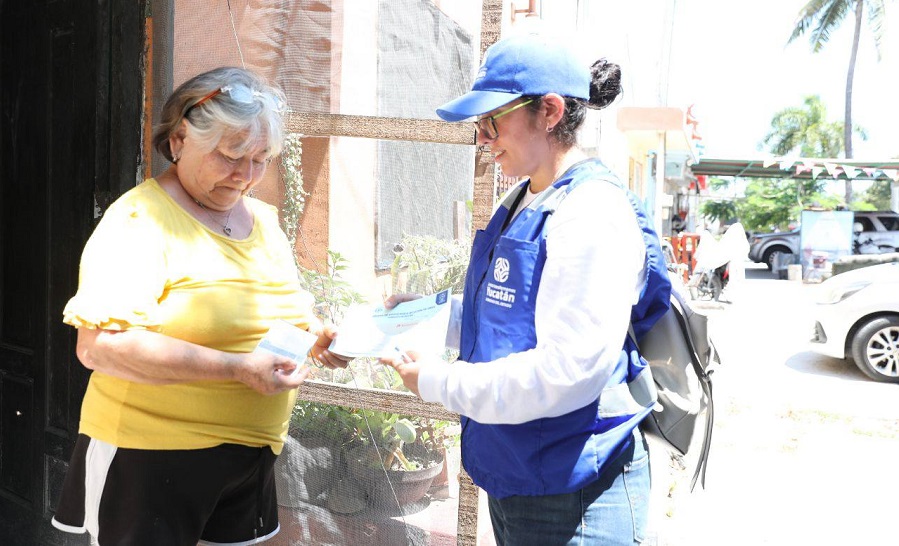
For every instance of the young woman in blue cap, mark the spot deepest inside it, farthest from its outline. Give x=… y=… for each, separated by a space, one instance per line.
x=550 y=386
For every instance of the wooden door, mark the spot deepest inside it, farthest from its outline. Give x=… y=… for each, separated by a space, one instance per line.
x=70 y=103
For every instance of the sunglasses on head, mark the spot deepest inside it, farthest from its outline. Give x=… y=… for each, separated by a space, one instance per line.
x=238 y=93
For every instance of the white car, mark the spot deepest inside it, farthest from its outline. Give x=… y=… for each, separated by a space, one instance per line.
x=857 y=316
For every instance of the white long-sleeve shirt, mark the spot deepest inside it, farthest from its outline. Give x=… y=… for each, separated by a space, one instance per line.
x=593 y=275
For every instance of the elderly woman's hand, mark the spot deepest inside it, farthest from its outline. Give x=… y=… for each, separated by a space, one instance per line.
x=268 y=373
x=320 y=353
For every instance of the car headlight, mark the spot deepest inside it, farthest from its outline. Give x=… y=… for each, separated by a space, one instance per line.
x=835 y=294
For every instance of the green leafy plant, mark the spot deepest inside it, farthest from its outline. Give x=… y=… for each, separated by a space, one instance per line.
x=423 y=265
x=333 y=294
x=426 y=265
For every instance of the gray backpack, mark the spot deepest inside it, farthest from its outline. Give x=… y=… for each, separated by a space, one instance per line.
x=681 y=357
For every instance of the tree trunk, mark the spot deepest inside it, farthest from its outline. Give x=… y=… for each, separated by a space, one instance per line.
x=847 y=122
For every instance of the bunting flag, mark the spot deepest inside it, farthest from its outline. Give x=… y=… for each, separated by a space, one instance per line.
x=834 y=170
x=786 y=164
x=892 y=174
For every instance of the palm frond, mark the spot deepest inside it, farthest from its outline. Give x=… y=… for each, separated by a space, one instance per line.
x=829 y=21
x=877 y=22
x=807 y=17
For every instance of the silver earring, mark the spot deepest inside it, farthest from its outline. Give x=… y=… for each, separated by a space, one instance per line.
x=175 y=158
x=549 y=129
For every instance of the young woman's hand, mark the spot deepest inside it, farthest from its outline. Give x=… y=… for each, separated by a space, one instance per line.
x=397 y=299
x=406 y=364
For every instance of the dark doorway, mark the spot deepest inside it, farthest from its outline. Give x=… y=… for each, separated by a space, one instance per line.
x=70 y=116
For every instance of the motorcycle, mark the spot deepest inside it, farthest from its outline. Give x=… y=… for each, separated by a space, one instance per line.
x=712 y=270
x=709 y=282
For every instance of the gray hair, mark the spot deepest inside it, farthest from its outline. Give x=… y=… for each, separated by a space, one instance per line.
x=222 y=102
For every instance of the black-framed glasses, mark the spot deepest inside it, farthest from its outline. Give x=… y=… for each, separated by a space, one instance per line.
x=487 y=126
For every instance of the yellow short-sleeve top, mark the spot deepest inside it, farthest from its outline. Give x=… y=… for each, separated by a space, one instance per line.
x=151 y=265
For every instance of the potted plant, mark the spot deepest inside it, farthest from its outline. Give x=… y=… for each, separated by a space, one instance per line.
x=391 y=458
x=392 y=463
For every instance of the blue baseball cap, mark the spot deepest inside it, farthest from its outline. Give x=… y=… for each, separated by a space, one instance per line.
x=527 y=64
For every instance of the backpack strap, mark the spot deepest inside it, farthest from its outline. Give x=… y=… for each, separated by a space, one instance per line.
x=705 y=382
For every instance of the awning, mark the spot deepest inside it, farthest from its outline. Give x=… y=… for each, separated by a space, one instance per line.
x=802 y=168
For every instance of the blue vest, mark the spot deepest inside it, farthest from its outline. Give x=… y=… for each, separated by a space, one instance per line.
x=565 y=453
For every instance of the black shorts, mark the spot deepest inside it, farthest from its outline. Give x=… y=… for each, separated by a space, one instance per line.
x=220 y=495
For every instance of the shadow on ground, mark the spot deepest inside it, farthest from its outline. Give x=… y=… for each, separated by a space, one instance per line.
x=813 y=363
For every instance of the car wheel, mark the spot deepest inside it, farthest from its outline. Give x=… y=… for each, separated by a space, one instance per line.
x=715 y=287
x=875 y=349
x=771 y=257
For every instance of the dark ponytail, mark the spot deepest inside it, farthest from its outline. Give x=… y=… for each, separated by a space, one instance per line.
x=605 y=87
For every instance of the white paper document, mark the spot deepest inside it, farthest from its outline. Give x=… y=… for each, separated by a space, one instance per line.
x=374 y=331
x=285 y=339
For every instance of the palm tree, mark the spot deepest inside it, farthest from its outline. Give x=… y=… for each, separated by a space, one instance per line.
x=819 y=18
x=806 y=131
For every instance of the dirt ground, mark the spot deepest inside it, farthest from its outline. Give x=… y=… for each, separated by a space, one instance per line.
x=804 y=447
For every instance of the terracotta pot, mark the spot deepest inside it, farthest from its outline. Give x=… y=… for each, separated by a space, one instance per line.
x=409 y=485
x=443 y=477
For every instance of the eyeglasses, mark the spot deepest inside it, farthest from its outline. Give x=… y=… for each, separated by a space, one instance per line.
x=239 y=93
x=487 y=126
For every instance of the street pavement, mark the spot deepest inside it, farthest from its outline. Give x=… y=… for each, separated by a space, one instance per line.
x=805 y=447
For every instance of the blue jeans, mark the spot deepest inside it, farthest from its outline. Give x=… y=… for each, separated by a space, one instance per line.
x=613 y=510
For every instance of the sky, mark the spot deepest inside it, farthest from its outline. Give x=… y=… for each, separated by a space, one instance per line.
x=731 y=60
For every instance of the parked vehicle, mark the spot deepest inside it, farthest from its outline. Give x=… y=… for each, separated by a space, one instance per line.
x=879 y=230
x=708 y=282
x=764 y=247
x=865 y=244
x=857 y=316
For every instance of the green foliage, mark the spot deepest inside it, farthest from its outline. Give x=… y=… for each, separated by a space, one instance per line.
x=427 y=265
x=431 y=265
x=722 y=211
x=325 y=420
x=386 y=433
x=332 y=293
x=819 y=19
x=718 y=184
x=769 y=204
x=876 y=197
x=805 y=131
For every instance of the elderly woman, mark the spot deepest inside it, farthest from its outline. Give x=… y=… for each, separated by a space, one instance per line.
x=550 y=387
x=179 y=282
